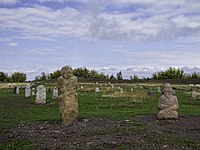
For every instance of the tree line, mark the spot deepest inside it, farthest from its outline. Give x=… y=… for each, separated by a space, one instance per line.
x=170 y=73
x=173 y=73
x=15 y=77
x=80 y=72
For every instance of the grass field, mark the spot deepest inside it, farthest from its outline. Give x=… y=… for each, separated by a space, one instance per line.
x=109 y=103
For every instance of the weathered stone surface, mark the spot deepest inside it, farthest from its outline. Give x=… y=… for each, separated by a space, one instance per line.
x=158 y=89
x=97 y=90
x=33 y=92
x=28 y=90
x=131 y=89
x=168 y=104
x=67 y=95
x=55 y=93
x=17 y=90
x=41 y=95
x=194 y=94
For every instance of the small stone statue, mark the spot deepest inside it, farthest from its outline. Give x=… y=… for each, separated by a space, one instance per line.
x=67 y=95
x=55 y=93
x=28 y=90
x=41 y=95
x=168 y=104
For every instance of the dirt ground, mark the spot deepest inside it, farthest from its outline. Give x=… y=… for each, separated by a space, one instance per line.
x=141 y=132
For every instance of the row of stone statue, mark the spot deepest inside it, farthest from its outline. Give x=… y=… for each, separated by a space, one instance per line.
x=68 y=98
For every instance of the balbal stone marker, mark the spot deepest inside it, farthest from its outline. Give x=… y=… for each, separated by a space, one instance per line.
x=168 y=104
x=28 y=90
x=194 y=94
x=17 y=90
x=67 y=95
x=97 y=90
x=41 y=95
x=55 y=93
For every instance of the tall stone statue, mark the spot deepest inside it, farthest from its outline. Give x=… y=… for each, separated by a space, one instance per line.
x=67 y=95
x=168 y=104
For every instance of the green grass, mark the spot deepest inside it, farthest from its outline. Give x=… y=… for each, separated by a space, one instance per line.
x=17 y=145
x=188 y=105
x=16 y=109
x=93 y=104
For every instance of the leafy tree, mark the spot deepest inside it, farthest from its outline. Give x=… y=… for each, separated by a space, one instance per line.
x=55 y=74
x=18 y=77
x=195 y=75
x=112 y=77
x=43 y=76
x=171 y=73
x=86 y=73
x=119 y=76
x=92 y=73
x=4 y=77
x=82 y=72
x=134 y=78
x=155 y=76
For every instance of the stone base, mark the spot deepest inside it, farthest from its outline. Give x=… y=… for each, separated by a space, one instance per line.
x=167 y=115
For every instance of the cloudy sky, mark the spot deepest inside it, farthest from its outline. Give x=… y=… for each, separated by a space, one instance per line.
x=134 y=36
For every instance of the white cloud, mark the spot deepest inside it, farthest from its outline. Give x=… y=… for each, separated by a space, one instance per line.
x=128 y=19
x=4 y=52
x=43 y=1
x=13 y=44
x=41 y=52
x=8 y=1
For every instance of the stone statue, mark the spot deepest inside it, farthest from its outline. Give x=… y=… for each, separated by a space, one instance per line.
x=67 y=95
x=168 y=104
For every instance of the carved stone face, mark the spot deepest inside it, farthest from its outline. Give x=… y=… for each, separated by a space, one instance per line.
x=167 y=89
x=67 y=72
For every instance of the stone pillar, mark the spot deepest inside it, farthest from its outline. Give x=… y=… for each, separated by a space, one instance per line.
x=67 y=95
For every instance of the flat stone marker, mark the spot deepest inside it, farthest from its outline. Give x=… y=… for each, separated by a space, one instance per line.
x=55 y=93
x=97 y=90
x=121 y=91
x=158 y=89
x=131 y=89
x=28 y=90
x=41 y=95
x=17 y=90
x=194 y=94
x=33 y=91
